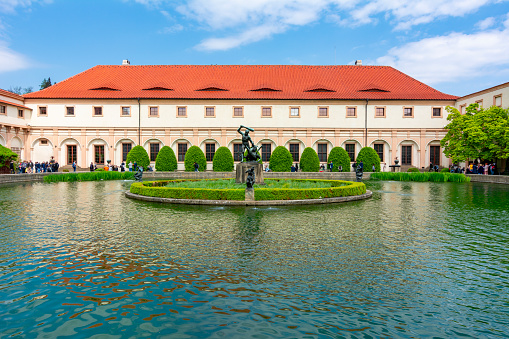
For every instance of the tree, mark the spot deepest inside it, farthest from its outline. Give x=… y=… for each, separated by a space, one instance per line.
x=369 y=157
x=195 y=154
x=139 y=156
x=46 y=83
x=223 y=160
x=478 y=134
x=281 y=160
x=20 y=91
x=339 y=156
x=166 y=160
x=309 y=161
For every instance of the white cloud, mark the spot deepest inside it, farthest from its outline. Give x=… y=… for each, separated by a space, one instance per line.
x=452 y=57
x=9 y=6
x=486 y=23
x=10 y=60
x=173 y=29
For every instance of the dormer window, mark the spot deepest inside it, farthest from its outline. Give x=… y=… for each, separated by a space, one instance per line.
x=104 y=88
x=157 y=88
x=211 y=89
x=319 y=88
x=265 y=89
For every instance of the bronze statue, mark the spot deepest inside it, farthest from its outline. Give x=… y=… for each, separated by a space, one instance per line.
x=139 y=173
x=248 y=145
x=359 y=170
x=250 y=177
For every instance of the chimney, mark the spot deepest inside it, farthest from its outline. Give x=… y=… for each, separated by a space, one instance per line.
x=125 y=62
x=358 y=62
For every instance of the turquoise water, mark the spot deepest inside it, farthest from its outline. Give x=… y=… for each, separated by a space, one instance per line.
x=418 y=260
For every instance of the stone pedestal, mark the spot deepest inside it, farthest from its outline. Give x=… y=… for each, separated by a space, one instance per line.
x=250 y=194
x=241 y=174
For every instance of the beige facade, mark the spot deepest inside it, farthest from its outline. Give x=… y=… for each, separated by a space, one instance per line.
x=494 y=96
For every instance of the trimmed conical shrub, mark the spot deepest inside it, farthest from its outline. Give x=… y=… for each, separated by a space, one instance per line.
x=339 y=156
x=195 y=154
x=166 y=160
x=309 y=161
x=281 y=160
x=369 y=157
x=223 y=160
x=139 y=155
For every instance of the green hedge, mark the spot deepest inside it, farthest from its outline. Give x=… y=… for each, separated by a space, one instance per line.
x=369 y=157
x=309 y=161
x=223 y=160
x=413 y=169
x=139 y=155
x=339 y=156
x=166 y=160
x=89 y=176
x=445 y=170
x=6 y=155
x=339 y=188
x=195 y=154
x=281 y=160
x=424 y=176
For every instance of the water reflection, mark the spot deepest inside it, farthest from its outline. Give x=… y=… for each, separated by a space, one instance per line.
x=416 y=260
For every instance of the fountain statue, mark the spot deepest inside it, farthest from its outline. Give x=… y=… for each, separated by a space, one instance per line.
x=139 y=174
x=250 y=159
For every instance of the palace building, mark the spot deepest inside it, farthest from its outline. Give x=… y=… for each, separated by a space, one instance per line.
x=101 y=113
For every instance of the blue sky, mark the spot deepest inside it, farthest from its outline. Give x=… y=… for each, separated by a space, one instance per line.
x=455 y=46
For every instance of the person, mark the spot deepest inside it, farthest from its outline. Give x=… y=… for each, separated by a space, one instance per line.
x=296 y=167
x=331 y=166
x=267 y=169
x=361 y=165
x=340 y=168
x=373 y=168
x=322 y=168
x=130 y=166
x=135 y=165
x=292 y=169
x=12 y=167
x=74 y=166
x=196 y=166
x=91 y=167
x=431 y=166
x=122 y=167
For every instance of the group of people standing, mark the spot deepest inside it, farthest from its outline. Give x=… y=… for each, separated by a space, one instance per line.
x=34 y=167
x=479 y=168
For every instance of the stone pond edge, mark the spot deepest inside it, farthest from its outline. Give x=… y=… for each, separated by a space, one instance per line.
x=366 y=195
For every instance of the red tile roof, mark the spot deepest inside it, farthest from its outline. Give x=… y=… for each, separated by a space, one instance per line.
x=11 y=95
x=14 y=104
x=242 y=82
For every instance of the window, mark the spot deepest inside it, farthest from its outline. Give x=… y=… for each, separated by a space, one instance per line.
x=322 y=152
x=44 y=142
x=210 y=149
x=437 y=112
x=69 y=111
x=182 y=113
x=154 y=150
x=379 y=112
x=126 y=148
x=350 y=149
x=497 y=100
x=238 y=112
x=408 y=112
x=2 y=109
x=379 y=149
x=323 y=112
x=43 y=111
x=434 y=155
x=294 y=150
x=267 y=112
x=238 y=151
x=351 y=112
x=266 y=152
x=406 y=155
x=99 y=154
x=294 y=112
x=153 y=111
x=72 y=154
x=21 y=114
x=182 y=149
x=479 y=102
x=462 y=108
x=98 y=111
x=17 y=150
x=126 y=111
x=210 y=112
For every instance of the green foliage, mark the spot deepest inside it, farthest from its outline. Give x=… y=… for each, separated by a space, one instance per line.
x=99 y=169
x=269 y=183
x=195 y=154
x=223 y=160
x=281 y=160
x=444 y=170
x=89 y=176
x=425 y=176
x=166 y=160
x=6 y=155
x=139 y=155
x=20 y=90
x=309 y=161
x=45 y=83
x=369 y=157
x=478 y=134
x=413 y=169
x=65 y=170
x=334 y=188
x=339 y=156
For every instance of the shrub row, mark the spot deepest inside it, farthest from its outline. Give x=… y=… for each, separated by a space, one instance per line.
x=339 y=188
x=89 y=176
x=416 y=176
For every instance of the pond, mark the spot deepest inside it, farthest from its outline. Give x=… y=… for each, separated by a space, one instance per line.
x=416 y=260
